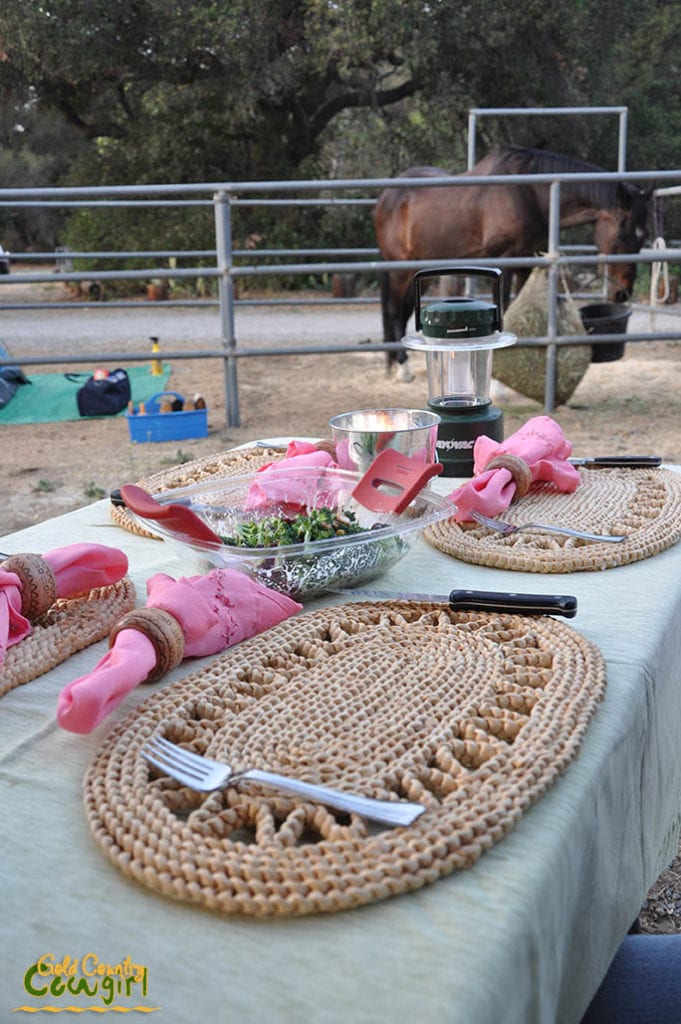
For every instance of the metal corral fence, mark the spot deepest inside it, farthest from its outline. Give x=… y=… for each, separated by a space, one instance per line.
x=225 y=198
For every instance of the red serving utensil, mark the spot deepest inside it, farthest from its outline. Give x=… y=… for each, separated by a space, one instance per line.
x=393 y=480
x=176 y=517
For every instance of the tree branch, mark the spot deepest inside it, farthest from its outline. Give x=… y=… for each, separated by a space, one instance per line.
x=360 y=97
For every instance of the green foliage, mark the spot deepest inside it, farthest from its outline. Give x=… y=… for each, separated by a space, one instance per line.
x=147 y=91
x=178 y=459
x=300 y=528
x=134 y=229
x=93 y=491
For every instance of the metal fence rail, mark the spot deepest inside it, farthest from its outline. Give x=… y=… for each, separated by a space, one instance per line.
x=228 y=268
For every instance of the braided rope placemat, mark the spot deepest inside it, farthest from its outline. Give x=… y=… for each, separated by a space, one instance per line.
x=222 y=464
x=473 y=714
x=642 y=504
x=69 y=626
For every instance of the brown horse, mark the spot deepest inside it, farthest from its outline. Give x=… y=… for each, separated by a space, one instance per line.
x=468 y=221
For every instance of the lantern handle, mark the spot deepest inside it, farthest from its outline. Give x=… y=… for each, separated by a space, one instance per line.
x=493 y=273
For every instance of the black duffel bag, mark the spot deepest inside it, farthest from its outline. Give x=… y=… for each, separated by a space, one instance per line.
x=102 y=396
x=11 y=377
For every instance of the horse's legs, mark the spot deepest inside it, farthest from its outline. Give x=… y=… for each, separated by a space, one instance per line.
x=520 y=276
x=397 y=304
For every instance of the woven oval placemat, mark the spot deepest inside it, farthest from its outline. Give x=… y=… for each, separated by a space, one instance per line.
x=222 y=464
x=69 y=626
x=473 y=714
x=642 y=504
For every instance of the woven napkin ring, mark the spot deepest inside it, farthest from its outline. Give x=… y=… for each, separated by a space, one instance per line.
x=163 y=630
x=326 y=446
x=38 y=585
x=519 y=470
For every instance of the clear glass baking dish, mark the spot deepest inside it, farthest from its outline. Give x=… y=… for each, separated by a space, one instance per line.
x=302 y=570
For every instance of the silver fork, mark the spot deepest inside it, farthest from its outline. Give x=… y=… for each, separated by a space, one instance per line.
x=271 y=447
x=507 y=528
x=206 y=775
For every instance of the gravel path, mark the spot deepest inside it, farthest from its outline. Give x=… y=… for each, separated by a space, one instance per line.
x=105 y=327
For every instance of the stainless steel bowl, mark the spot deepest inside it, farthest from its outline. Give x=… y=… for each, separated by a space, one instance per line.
x=361 y=435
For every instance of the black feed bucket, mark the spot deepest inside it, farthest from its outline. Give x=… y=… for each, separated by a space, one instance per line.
x=606 y=318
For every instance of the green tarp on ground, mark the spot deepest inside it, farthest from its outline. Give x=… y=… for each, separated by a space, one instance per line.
x=51 y=398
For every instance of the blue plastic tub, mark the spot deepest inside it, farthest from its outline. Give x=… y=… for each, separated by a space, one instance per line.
x=152 y=425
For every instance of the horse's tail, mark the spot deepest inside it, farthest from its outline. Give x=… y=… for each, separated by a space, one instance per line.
x=385 y=308
x=397 y=303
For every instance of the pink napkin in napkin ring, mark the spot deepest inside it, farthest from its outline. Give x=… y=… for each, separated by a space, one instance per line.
x=519 y=470
x=164 y=632
x=307 y=447
x=37 y=583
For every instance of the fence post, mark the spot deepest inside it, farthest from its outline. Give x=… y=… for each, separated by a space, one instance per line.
x=223 y=246
x=552 y=324
x=472 y=123
x=622 y=141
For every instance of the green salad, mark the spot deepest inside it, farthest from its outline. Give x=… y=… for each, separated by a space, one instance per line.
x=277 y=531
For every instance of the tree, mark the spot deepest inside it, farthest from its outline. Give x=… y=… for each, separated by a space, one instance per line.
x=191 y=90
x=204 y=90
x=199 y=90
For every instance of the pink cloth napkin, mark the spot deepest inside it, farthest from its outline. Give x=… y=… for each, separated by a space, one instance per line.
x=13 y=625
x=298 y=448
x=81 y=567
x=214 y=611
x=540 y=443
x=291 y=494
x=76 y=567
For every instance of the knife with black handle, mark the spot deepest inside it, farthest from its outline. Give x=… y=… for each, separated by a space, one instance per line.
x=619 y=461
x=485 y=601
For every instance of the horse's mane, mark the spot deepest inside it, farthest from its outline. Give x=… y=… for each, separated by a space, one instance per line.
x=524 y=160
x=542 y=161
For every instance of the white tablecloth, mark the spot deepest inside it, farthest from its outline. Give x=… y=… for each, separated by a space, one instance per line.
x=524 y=936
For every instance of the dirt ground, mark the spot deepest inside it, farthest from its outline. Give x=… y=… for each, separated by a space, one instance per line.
x=629 y=406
